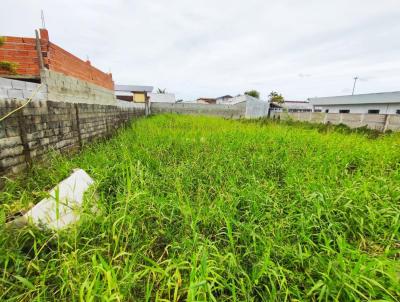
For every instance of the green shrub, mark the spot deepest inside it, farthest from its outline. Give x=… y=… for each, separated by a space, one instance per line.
x=9 y=67
x=253 y=93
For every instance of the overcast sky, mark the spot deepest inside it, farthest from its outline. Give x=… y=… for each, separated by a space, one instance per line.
x=300 y=48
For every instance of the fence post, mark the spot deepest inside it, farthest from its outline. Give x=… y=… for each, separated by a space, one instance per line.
x=108 y=133
x=386 y=125
x=78 y=126
x=362 y=119
x=24 y=137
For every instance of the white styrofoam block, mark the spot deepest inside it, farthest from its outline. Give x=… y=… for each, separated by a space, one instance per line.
x=62 y=207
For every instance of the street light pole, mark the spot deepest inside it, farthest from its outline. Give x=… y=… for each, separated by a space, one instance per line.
x=354 y=86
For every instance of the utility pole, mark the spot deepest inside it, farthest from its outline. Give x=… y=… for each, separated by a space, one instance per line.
x=354 y=86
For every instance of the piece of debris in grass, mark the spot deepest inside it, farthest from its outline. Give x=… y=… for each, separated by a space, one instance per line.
x=62 y=207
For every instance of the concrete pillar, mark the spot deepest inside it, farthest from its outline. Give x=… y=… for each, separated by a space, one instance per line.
x=387 y=118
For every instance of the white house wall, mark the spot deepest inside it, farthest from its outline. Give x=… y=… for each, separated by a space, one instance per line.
x=237 y=99
x=369 y=98
x=162 y=97
x=361 y=108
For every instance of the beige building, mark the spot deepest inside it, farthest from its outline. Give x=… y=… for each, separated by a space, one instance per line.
x=206 y=101
x=133 y=93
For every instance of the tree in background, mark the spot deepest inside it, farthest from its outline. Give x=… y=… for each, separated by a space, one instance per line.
x=276 y=97
x=253 y=93
x=162 y=91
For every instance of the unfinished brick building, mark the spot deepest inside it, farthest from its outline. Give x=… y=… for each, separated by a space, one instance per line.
x=66 y=77
x=30 y=54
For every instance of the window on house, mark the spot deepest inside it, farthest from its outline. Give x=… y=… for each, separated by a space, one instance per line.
x=317 y=110
x=344 y=111
x=326 y=110
x=398 y=111
x=373 y=111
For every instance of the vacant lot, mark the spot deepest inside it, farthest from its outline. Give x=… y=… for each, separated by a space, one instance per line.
x=206 y=209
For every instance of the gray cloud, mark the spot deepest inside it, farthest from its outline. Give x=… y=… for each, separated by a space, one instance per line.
x=209 y=48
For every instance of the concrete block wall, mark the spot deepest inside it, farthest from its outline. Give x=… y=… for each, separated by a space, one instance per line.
x=381 y=122
x=247 y=109
x=42 y=126
x=64 y=88
x=256 y=108
x=21 y=90
x=228 y=111
x=393 y=122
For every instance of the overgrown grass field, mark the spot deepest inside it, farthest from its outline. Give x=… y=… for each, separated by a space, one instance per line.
x=207 y=209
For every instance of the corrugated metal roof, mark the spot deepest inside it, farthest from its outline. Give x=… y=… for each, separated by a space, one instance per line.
x=370 y=98
x=131 y=88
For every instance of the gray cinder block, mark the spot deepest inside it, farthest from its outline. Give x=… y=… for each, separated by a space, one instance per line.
x=18 y=84
x=15 y=93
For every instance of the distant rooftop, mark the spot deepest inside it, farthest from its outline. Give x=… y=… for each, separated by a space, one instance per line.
x=298 y=102
x=133 y=88
x=292 y=105
x=369 y=98
x=224 y=97
x=207 y=99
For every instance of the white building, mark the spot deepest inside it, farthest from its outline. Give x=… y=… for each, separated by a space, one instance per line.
x=223 y=99
x=372 y=103
x=161 y=97
x=291 y=106
x=237 y=99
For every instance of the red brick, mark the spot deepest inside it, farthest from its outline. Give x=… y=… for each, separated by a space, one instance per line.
x=44 y=34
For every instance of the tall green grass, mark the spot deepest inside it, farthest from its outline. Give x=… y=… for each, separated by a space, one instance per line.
x=206 y=209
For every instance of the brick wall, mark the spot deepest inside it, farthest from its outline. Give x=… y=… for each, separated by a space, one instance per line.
x=64 y=62
x=44 y=125
x=23 y=51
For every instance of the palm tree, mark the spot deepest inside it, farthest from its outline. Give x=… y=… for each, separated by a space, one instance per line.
x=276 y=97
